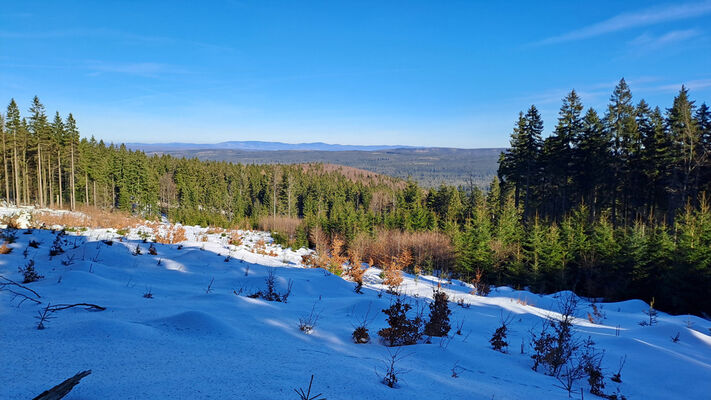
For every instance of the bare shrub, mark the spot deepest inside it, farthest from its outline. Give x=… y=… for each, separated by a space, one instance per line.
x=152 y=250
x=306 y=395
x=308 y=322
x=5 y=249
x=44 y=316
x=361 y=333
x=392 y=373
x=617 y=376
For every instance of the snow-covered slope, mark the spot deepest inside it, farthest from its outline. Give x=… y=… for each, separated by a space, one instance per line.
x=188 y=342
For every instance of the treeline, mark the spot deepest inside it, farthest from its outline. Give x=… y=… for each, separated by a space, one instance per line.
x=635 y=162
x=608 y=206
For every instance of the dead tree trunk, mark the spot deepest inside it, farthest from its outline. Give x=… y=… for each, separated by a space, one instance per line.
x=63 y=388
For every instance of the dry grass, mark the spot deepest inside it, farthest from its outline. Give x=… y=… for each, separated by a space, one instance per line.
x=88 y=217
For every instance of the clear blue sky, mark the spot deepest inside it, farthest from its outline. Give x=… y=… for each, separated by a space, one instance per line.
x=439 y=73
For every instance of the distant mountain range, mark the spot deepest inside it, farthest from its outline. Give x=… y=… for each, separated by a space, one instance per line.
x=430 y=166
x=255 y=145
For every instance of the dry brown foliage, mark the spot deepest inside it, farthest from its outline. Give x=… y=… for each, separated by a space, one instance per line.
x=214 y=230
x=88 y=217
x=392 y=271
x=171 y=235
x=355 y=258
x=5 y=249
x=336 y=257
x=261 y=248
x=481 y=288
x=11 y=221
x=235 y=238
x=282 y=224
x=432 y=250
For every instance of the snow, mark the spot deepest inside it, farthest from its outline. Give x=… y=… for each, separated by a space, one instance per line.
x=188 y=343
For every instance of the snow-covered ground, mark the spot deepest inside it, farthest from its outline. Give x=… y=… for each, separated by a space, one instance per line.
x=188 y=342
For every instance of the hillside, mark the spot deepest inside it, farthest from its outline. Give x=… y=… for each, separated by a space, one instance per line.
x=256 y=145
x=200 y=335
x=430 y=167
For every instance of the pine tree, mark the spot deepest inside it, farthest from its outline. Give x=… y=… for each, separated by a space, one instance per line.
x=592 y=162
x=682 y=127
x=14 y=126
x=72 y=137
x=520 y=165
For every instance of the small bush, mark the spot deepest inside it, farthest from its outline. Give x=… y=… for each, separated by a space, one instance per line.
x=308 y=322
x=498 y=339
x=392 y=373
x=152 y=250
x=29 y=273
x=402 y=330
x=5 y=249
x=58 y=245
x=554 y=349
x=271 y=294
x=438 y=324
x=361 y=334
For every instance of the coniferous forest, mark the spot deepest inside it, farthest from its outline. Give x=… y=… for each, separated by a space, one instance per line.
x=613 y=204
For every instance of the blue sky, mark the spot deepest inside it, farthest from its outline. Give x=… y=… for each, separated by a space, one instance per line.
x=432 y=73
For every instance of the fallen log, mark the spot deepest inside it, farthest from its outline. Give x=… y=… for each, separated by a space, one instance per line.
x=63 y=388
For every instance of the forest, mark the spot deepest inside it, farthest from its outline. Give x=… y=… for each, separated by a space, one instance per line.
x=611 y=205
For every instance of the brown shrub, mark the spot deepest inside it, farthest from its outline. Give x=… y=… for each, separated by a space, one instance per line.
x=336 y=257
x=172 y=235
x=5 y=249
x=89 y=217
x=235 y=238
x=282 y=224
x=429 y=250
x=12 y=221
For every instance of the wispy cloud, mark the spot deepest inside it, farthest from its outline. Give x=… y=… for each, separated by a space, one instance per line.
x=114 y=35
x=692 y=85
x=144 y=69
x=650 y=16
x=647 y=42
